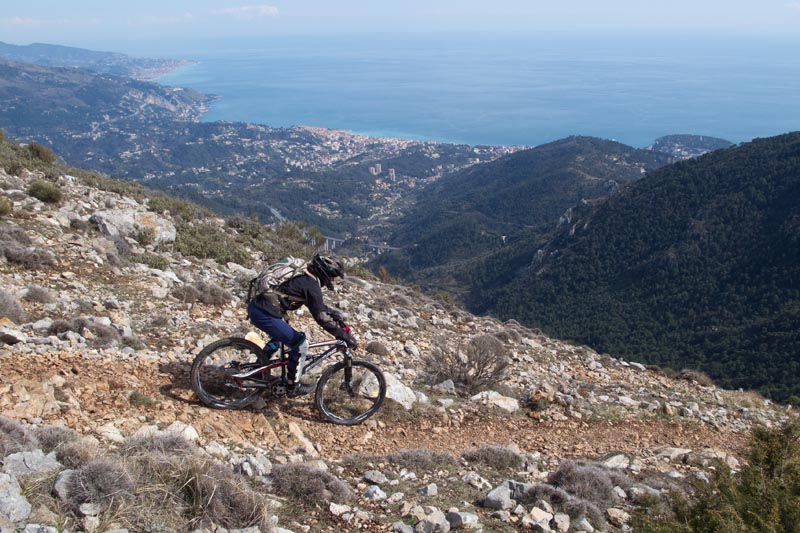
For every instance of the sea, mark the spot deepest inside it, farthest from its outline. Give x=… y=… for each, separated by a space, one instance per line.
x=509 y=89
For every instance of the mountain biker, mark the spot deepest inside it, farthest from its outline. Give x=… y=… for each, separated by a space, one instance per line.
x=268 y=313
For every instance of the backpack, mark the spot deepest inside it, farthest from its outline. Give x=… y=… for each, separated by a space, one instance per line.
x=274 y=275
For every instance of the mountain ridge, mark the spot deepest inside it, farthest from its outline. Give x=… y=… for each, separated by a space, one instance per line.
x=54 y=55
x=706 y=245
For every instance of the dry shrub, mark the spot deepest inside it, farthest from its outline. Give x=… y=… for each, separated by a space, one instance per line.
x=204 y=292
x=103 y=482
x=124 y=248
x=180 y=490
x=51 y=437
x=213 y=294
x=186 y=293
x=393 y=412
x=11 y=308
x=14 y=437
x=78 y=224
x=15 y=245
x=381 y=304
x=509 y=335
x=308 y=485
x=697 y=376
x=377 y=348
x=71 y=450
x=563 y=501
x=480 y=366
x=587 y=482
x=104 y=336
x=30 y=258
x=190 y=492
x=37 y=294
x=421 y=459
x=577 y=507
x=500 y=458
x=552 y=495
x=401 y=300
x=163 y=443
x=11 y=233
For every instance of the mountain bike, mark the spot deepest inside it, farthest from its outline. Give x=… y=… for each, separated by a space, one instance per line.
x=233 y=372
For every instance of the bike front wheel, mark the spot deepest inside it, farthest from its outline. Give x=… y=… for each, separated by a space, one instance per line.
x=349 y=392
x=216 y=372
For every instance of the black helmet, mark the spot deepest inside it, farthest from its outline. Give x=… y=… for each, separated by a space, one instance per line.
x=327 y=266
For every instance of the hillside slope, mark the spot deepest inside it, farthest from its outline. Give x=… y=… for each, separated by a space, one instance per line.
x=472 y=229
x=696 y=265
x=109 y=292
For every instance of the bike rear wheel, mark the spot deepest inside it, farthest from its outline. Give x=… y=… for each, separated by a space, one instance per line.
x=215 y=370
x=350 y=392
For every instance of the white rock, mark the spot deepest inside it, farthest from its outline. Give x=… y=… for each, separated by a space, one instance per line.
x=183 y=430
x=399 y=392
x=497 y=400
x=111 y=433
x=12 y=503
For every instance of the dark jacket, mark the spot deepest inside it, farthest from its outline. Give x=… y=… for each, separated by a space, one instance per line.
x=299 y=291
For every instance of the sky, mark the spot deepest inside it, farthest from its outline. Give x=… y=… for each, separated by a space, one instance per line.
x=111 y=24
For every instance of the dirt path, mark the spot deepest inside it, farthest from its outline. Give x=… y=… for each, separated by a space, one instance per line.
x=103 y=390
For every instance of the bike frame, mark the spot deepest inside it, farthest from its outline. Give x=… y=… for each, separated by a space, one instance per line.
x=312 y=360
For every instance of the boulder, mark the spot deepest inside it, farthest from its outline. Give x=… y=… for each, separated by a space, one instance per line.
x=22 y=464
x=12 y=503
x=399 y=392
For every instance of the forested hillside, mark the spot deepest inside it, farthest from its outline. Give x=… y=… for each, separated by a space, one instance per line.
x=696 y=265
x=472 y=228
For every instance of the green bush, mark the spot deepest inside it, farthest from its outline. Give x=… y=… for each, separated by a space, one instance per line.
x=139 y=399
x=764 y=496
x=44 y=191
x=151 y=260
x=5 y=207
x=15 y=168
x=144 y=235
x=186 y=211
x=207 y=241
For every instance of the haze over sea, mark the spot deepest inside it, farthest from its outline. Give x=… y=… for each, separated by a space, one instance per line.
x=505 y=89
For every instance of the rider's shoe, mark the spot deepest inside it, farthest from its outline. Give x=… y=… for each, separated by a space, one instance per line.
x=298 y=389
